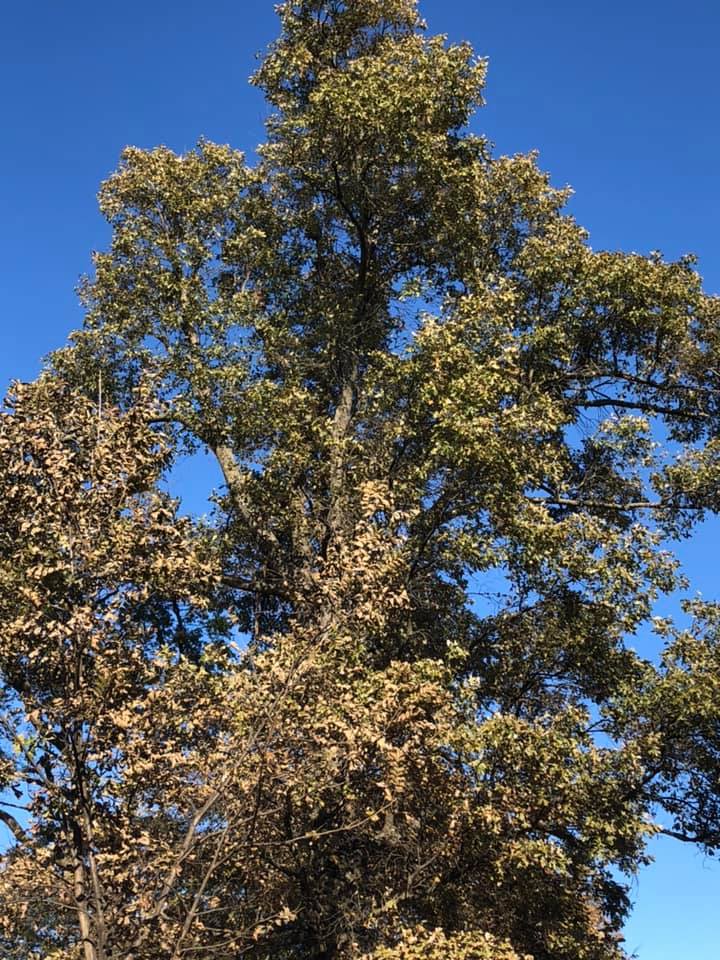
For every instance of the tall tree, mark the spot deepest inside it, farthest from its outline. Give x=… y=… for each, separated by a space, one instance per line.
x=455 y=442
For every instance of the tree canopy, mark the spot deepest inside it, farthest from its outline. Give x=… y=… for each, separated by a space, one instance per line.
x=382 y=704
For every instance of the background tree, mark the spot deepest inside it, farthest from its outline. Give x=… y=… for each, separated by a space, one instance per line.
x=455 y=442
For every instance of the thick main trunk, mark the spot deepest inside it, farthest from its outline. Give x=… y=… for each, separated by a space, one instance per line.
x=81 y=902
x=338 y=455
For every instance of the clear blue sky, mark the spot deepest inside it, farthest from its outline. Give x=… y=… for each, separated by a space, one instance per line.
x=620 y=98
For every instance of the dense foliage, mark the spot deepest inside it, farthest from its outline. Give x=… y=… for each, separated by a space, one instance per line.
x=381 y=704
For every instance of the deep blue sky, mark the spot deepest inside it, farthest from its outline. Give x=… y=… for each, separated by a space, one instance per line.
x=620 y=98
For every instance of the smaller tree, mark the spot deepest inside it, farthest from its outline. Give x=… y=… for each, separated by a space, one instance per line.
x=96 y=578
x=169 y=804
